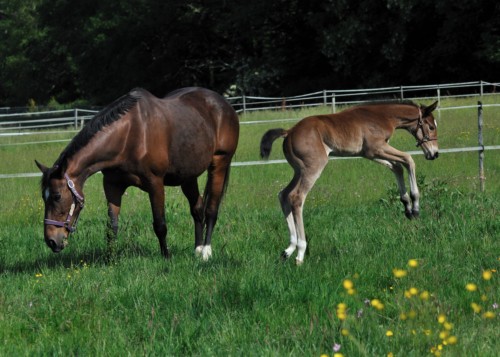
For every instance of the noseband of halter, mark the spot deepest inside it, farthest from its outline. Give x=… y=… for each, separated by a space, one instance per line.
x=420 y=125
x=77 y=199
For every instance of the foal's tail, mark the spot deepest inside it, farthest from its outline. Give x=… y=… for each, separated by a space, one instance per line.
x=266 y=143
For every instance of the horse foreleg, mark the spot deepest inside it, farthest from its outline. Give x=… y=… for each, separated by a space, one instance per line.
x=397 y=169
x=395 y=156
x=192 y=193
x=113 y=195
x=157 y=200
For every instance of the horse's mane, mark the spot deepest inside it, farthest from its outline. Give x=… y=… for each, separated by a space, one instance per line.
x=105 y=117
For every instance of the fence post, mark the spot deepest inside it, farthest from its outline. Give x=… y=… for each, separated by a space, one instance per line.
x=244 y=103
x=334 y=110
x=75 y=115
x=401 y=92
x=481 y=89
x=439 y=102
x=480 y=141
x=325 y=101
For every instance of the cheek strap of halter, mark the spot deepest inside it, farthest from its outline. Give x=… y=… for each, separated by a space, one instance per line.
x=77 y=198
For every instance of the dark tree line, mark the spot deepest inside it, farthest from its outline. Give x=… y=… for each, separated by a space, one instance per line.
x=97 y=50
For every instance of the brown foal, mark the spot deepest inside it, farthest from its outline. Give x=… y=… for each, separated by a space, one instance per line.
x=359 y=131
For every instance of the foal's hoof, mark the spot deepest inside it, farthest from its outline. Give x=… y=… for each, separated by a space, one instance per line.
x=284 y=255
x=416 y=214
x=298 y=262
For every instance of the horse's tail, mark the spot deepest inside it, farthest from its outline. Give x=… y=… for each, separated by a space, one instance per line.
x=267 y=140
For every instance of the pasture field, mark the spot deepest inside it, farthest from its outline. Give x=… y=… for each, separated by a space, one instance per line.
x=372 y=284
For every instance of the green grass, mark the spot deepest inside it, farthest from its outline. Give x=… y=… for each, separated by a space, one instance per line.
x=245 y=301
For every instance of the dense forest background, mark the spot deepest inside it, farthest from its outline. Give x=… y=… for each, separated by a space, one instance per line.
x=94 y=50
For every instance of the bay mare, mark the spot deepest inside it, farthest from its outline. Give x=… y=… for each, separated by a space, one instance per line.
x=143 y=141
x=359 y=131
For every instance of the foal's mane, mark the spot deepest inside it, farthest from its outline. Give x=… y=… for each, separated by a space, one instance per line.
x=390 y=102
x=105 y=117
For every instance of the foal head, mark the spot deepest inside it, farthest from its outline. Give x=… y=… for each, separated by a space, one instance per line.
x=63 y=204
x=426 y=132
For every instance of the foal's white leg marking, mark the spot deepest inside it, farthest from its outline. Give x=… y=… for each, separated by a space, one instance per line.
x=293 y=235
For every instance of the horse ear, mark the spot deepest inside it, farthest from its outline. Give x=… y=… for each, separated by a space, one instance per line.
x=428 y=110
x=42 y=167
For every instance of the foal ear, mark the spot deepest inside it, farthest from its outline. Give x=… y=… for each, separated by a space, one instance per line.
x=428 y=110
x=42 y=167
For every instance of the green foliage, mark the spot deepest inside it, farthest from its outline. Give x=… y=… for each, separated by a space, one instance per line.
x=96 y=50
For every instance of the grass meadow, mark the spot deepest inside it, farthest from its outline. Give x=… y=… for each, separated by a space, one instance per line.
x=373 y=283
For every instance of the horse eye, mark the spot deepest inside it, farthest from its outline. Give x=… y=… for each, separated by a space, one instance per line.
x=431 y=128
x=57 y=197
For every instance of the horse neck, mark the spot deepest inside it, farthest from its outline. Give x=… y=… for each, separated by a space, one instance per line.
x=100 y=153
x=406 y=117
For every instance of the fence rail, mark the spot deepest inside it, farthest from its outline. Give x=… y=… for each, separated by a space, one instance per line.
x=76 y=118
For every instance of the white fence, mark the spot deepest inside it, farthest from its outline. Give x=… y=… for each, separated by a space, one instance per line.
x=335 y=98
x=76 y=118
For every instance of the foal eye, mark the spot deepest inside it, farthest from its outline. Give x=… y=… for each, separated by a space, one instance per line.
x=431 y=128
x=57 y=197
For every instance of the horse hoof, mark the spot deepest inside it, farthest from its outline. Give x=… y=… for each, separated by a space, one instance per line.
x=408 y=214
x=299 y=262
x=198 y=251
x=416 y=214
x=206 y=253
x=284 y=255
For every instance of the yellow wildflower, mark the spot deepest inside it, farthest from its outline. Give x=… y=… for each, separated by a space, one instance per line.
x=403 y=316
x=38 y=275
x=338 y=354
x=424 y=295
x=413 y=291
x=471 y=287
x=489 y=315
x=442 y=318
x=444 y=335
x=476 y=307
x=413 y=263
x=390 y=354
x=389 y=333
x=452 y=340
x=376 y=303
x=487 y=274
x=348 y=284
x=399 y=273
x=344 y=332
x=448 y=326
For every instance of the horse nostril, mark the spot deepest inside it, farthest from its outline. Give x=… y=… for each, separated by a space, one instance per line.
x=52 y=244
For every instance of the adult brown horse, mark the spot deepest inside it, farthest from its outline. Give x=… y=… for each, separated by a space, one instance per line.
x=359 y=131
x=144 y=141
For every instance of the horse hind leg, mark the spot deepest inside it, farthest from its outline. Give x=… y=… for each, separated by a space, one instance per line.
x=304 y=181
x=287 y=211
x=192 y=193
x=218 y=177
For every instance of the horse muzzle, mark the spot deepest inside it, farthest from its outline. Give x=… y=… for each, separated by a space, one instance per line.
x=57 y=241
